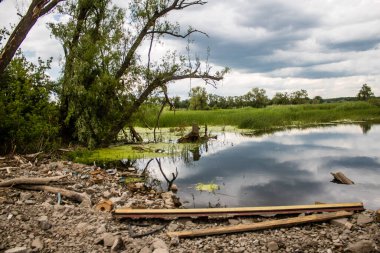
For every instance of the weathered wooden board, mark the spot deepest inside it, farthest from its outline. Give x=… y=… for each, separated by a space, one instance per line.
x=238 y=211
x=261 y=225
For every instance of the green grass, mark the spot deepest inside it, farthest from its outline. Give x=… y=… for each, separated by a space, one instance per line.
x=132 y=152
x=275 y=116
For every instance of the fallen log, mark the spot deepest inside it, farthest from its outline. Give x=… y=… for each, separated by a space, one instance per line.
x=231 y=212
x=261 y=225
x=29 y=181
x=82 y=198
x=341 y=178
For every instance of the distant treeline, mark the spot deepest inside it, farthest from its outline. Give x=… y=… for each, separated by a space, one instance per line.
x=199 y=99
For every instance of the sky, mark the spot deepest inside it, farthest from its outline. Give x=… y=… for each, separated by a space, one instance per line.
x=329 y=48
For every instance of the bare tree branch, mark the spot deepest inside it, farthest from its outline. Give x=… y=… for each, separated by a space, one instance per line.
x=176 y=34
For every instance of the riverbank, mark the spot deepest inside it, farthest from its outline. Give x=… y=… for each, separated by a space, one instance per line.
x=35 y=221
x=273 y=117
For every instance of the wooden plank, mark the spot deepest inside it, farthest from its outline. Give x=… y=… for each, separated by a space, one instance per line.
x=261 y=225
x=339 y=176
x=238 y=211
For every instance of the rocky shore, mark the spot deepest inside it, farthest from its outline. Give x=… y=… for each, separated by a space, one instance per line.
x=36 y=221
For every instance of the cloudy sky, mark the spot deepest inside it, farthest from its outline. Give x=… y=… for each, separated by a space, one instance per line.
x=330 y=48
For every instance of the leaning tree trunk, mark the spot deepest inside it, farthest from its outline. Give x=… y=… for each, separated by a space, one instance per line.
x=36 y=9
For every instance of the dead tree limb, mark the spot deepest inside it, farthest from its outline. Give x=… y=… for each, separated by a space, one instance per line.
x=82 y=198
x=29 y=181
x=169 y=181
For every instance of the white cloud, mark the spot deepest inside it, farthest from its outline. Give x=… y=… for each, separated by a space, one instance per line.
x=328 y=47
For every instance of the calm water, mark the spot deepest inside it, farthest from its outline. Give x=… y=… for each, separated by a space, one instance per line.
x=284 y=168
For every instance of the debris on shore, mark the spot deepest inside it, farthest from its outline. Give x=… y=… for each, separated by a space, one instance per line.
x=33 y=219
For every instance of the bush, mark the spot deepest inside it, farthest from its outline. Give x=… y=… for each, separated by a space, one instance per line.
x=28 y=119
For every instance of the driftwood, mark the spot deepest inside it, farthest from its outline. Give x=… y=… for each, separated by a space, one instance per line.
x=82 y=198
x=236 y=211
x=33 y=155
x=261 y=225
x=341 y=178
x=29 y=181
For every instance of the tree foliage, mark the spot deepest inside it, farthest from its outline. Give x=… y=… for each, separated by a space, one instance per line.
x=105 y=80
x=365 y=92
x=198 y=99
x=28 y=119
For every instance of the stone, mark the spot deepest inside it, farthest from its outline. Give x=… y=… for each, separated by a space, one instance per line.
x=108 y=239
x=17 y=250
x=37 y=244
x=82 y=226
x=342 y=222
x=364 y=219
x=365 y=246
x=25 y=196
x=118 y=245
x=146 y=249
x=378 y=215
x=172 y=227
x=189 y=224
x=233 y=221
x=174 y=188
x=273 y=246
x=101 y=229
x=44 y=223
x=107 y=194
x=174 y=241
x=161 y=251
x=159 y=244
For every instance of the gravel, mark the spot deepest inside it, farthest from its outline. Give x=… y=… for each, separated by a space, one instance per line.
x=34 y=222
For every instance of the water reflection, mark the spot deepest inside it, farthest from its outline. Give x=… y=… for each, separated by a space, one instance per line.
x=288 y=167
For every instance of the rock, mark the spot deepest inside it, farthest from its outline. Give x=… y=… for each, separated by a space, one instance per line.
x=139 y=185
x=118 y=245
x=174 y=188
x=233 y=221
x=37 y=244
x=342 y=222
x=44 y=223
x=172 y=227
x=102 y=229
x=107 y=194
x=17 y=250
x=190 y=224
x=82 y=226
x=273 y=246
x=174 y=241
x=146 y=250
x=108 y=239
x=365 y=246
x=364 y=219
x=25 y=196
x=30 y=202
x=168 y=199
x=161 y=251
x=378 y=215
x=159 y=244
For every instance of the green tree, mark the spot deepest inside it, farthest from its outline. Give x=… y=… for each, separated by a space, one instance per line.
x=365 y=93
x=299 y=97
x=198 y=99
x=28 y=119
x=105 y=79
x=281 y=98
x=256 y=98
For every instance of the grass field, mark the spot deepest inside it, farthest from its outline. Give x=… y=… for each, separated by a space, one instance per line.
x=275 y=116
